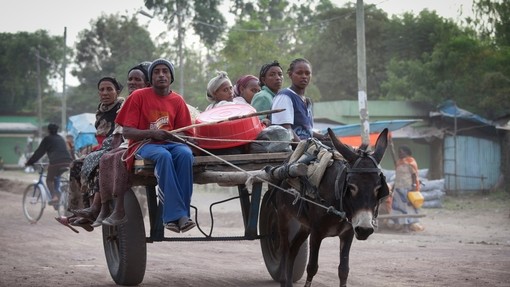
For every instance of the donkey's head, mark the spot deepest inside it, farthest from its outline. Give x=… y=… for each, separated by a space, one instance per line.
x=364 y=184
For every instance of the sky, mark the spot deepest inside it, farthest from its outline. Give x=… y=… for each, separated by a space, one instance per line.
x=54 y=15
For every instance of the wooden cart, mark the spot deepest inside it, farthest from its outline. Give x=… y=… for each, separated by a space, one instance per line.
x=125 y=245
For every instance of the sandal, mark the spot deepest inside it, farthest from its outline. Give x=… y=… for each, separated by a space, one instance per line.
x=64 y=221
x=172 y=226
x=84 y=223
x=186 y=224
x=86 y=213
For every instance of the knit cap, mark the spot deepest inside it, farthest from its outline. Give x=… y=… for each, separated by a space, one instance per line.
x=144 y=67
x=164 y=62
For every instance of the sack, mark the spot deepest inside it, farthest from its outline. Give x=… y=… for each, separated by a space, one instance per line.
x=415 y=198
x=277 y=138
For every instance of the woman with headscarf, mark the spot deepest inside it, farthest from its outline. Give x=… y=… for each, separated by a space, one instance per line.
x=110 y=102
x=219 y=91
x=113 y=173
x=244 y=90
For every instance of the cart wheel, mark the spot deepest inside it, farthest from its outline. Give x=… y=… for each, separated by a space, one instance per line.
x=33 y=203
x=125 y=246
x=270 y=242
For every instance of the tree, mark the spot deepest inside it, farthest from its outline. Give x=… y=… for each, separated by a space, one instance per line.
x=265 y=31
x=493 y=19
x=18 y=69
x=334 y=52
x=111 y=47
x=204 y=17
x=410 y=37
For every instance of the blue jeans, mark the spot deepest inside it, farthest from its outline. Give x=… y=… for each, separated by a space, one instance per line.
x=174 y=173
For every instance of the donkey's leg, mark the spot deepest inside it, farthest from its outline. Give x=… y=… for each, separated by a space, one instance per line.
x=345 y=248
x=313 y=258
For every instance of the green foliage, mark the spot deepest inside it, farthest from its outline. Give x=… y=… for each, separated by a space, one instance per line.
x=203 y=16
x=18 y=68
x=462 y=69
x=421 y=57
x=492 y=17
x=333 y=53
x=111 y=47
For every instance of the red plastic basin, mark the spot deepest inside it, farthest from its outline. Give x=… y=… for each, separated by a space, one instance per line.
x=230 y=131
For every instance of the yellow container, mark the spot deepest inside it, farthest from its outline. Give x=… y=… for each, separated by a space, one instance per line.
x=415 y=198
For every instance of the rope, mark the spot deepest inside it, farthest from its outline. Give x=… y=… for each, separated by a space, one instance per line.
x=141 y=144
x=297 y=195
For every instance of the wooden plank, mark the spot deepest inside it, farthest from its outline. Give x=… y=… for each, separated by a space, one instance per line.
x=394 y=216
x=250 y=157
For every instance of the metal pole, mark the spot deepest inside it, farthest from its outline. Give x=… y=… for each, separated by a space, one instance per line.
x=39 y=95
x=362 y=73
x=179 y=40
x=64 y=97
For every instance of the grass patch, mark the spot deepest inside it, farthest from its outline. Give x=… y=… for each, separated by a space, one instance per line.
x=492 y=201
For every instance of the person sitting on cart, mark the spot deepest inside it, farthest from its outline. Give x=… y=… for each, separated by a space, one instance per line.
x=219 y=91
x=55 y=146
x=297 y=116
x=147 y=118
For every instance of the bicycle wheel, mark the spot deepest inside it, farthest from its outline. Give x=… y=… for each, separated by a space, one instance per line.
x=63 y=203
x=33 y=203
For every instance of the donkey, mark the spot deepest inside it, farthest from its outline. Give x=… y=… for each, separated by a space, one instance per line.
x=353 y=188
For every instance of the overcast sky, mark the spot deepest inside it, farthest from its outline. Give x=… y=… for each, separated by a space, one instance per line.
x=54 y=15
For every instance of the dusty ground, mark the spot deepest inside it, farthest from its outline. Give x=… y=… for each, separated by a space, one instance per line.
x=467 y=243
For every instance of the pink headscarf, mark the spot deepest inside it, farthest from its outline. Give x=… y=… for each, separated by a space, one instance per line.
x=242 y=82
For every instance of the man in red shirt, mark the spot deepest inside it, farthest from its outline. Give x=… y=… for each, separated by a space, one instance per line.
x=147 y=117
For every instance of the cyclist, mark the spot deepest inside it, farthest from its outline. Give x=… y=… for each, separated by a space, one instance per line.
x=55 y=146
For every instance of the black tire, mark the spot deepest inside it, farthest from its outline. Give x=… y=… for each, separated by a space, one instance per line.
x=270 y=242
x=33 y=203
x=125 y=246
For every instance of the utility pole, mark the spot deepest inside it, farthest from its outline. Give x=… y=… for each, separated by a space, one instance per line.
x=362 y=73
x=180 y=32
x=64 y=97
x=39 y=95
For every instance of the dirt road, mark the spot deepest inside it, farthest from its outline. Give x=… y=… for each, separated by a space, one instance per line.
x=465 y=244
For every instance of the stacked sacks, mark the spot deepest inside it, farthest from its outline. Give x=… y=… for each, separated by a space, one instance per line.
x=433 y=193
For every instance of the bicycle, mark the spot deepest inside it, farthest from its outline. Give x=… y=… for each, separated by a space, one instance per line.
x=37 y=195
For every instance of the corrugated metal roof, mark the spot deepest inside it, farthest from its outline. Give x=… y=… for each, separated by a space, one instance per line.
x=17 y=127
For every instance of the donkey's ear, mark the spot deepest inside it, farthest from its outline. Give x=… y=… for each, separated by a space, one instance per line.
x=344 y=150
x=380 y=145
x=384 y=191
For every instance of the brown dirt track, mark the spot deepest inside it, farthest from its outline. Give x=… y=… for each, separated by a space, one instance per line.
x=467 y=243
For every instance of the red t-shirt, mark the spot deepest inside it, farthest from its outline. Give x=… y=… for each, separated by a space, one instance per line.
x=144 y=110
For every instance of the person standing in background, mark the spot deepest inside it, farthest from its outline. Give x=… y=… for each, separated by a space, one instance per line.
x=406 y=180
